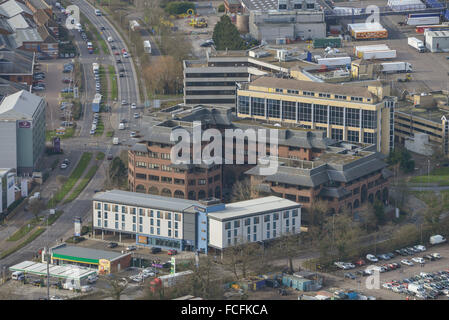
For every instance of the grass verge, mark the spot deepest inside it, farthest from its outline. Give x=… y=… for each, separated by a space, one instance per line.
x=31 y=238
x=52 y=218
x=19 y=234
x=73 y=178
x=99 y=156
x=83 y=183
x=114 y=89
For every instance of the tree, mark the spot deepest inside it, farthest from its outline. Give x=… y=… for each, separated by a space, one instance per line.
x=379 y=212
x=116 y=286
x=241 y=190
x=226 y=35
x=36 y=206
x=117 y=173
x=179 y=7
x=240 y=257
x=290 y=243
x=164 y=76
x=403 y=157
x=204 y=281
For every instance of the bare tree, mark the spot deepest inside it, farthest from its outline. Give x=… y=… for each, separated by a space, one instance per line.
x=116 y=286
x=241 y=190
x=36 y=206
x=240 y=258
x=290 y=244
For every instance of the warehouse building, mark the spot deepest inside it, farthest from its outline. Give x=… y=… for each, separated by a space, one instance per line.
x=105 y=261
x=348 y=113
x=22 y=128
x=437 y=41
x=284 y=20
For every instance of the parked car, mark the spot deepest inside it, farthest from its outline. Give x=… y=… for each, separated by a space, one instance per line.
x=360 y=262
x=349 y=275
x=407 y=262
x=436 y=255
x=155 y=250
x=429 y=257
x=371 y=258
x=172 y=252
x=420 y=248
x=133 y=105
x=131 y=248
x=112 y=245
x=418 y=260
x=110 y=156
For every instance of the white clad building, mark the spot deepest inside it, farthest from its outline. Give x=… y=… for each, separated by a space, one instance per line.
x=253 y=220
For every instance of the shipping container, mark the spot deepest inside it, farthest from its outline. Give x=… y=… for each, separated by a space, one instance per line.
x=358 y=50
x=367 y=31
x=416 y=21
x=333 y=42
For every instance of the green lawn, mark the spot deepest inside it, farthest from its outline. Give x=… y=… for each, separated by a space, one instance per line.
x=73 y=178
x=110 y=134
x=83 y=183
x=100 y=128
x=19 y=234
x=50 y=134
x=99 y=156
x=438 y=175
x=113 y=76
x=31 y=238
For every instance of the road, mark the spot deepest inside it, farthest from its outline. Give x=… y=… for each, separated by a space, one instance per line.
x=127 y=90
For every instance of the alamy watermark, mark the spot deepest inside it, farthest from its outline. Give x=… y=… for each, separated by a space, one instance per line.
x=189 y=147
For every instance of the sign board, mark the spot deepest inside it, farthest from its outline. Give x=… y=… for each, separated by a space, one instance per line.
x=104 y=266
x=10 y=192
x=156 y=104
x=57 y=144
x=142 y=239
x=173 y=265
x=23 y=187
x=200 y=209
x=24 y=124
x=77 y=226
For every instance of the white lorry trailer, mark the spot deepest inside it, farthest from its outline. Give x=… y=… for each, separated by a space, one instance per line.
x=393 y=67
x=379 y=54
x=338 y=61
x=422 y=21
x=417 y=44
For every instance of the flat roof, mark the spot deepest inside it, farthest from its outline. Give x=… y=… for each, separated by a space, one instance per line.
x=251 y=207
x=145 y=200
x=63 y=272
x=271 y=82
x=84 y=253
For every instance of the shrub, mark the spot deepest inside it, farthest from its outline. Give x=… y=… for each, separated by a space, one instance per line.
x=179 y=7
x=221 y=8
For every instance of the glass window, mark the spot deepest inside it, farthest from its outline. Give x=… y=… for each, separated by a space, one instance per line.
x=169 y=233
x=273 y=108
x=289 y=110
x=294 y=212
x=134 y=219
x=268 y=234
x=235 y=232
x=286 y=214
x=320 y=113
x=247 y=221
x=243 y=106
x=337 y=134
x=305 y=112
x=169 y=224
x=369 y=119
x=336 y=115
x=158 y=231
x=158 y=223
x=275 y=216
x=266 y=218
x=352 y=117
x=227 y=225
x=123 y=217
x=353 y=136
x=256 y=220
x=258 y=106
x=274 y=225
x=236 y=223
x=151 y=230
x=176 y=233
x=105 y=223
x=140 y=220
x=254 y=228
x=140 y=228
x=255 y=237
x=370 y=137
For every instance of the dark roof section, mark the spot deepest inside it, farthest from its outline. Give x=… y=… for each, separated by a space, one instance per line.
x=8 y=87
x=86 y=253
x=16 y=62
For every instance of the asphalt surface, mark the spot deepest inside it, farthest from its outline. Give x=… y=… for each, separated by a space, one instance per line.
x=127 y=90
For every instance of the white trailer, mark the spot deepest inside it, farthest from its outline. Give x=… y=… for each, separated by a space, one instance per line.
x=421 y=21
x=379 y=54
x=417 y=44
x=338 y=61
x=392 y=67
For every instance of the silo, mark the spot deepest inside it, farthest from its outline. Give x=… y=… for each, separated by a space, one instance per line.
x=242 y=23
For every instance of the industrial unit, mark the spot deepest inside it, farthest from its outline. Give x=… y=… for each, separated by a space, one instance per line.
x=437 y=41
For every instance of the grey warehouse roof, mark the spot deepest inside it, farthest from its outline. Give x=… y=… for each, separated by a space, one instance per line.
x=87 y=253
x=145 y=200
x=11 y=8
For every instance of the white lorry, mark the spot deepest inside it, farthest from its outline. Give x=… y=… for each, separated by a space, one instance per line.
x=339 y=61
x=393 y=67
x=417 y=44
x=437 y=239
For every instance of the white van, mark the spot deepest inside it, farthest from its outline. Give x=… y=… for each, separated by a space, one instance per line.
x=110 y=39
x=121 y=126
x=97 y=12
x=115 y=140
x=18 y=275
x=436 y=239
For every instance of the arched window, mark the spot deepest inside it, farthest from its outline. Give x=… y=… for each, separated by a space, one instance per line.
x=166 y=192
x=140 y=188
x=210 y=193
x=192 y=195
x=201 y=194
x=153 y=190
x=178 y=194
